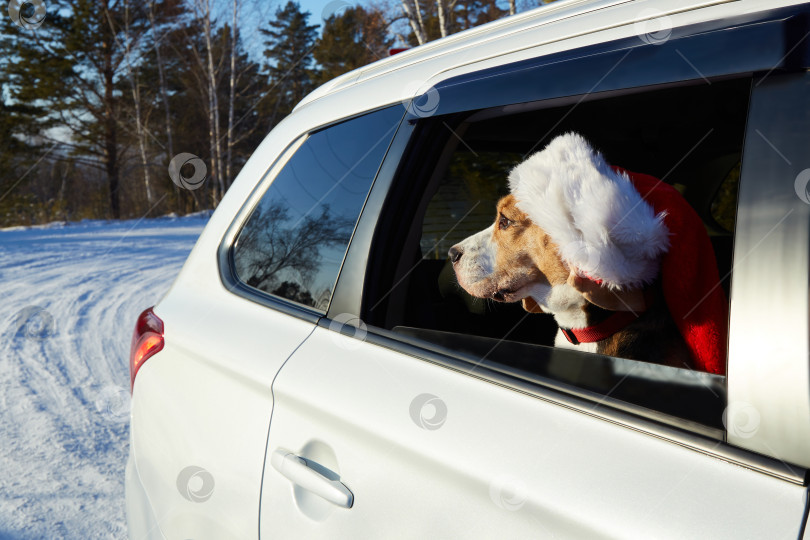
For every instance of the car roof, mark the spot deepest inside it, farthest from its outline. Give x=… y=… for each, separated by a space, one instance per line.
x=562 y=25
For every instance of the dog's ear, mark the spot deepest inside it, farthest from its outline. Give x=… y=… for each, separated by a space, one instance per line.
x=530 y=305
x=599 y=295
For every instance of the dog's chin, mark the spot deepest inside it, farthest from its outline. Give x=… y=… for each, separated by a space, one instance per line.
x=507 y=292
x=488 y=288
x=479 y=289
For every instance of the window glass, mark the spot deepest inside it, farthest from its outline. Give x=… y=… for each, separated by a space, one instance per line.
x=294 y=242
x=689 y=137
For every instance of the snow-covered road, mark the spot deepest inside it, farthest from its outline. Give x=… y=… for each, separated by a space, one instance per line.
x=69 y=296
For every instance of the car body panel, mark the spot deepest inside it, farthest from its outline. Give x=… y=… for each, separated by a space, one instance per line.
x=205 y=402
x=499 y=463
x=141 y=519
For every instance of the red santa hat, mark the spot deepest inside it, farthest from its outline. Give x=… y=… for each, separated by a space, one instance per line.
x=624 y=229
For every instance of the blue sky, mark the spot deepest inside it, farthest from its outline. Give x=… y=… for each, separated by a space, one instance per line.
x=257 y=14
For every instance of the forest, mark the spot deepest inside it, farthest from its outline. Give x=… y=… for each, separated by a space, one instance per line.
x=114 y=109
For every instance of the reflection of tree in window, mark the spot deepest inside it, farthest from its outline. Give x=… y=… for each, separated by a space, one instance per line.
x=293 y=244
x=292 y=290
x=281 y=256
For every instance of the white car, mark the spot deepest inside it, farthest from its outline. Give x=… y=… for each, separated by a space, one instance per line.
x=316 y=372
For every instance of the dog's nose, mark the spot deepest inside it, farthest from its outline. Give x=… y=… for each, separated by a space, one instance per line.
x=454 y=254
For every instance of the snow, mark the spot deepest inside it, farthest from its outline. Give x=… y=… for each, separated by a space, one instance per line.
x=69 y=297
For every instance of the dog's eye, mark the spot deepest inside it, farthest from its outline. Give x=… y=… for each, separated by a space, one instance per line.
x=504 y=222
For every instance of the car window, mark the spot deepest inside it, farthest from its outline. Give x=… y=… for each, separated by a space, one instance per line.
x=689 y=137
x=293 y=243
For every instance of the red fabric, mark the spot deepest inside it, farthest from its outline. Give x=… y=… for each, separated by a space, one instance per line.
x=689 y=276
x=602 y=330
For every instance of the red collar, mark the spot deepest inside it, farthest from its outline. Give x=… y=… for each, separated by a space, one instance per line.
x=602 y=330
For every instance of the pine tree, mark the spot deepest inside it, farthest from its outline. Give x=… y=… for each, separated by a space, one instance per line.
x=72 y=66
x=17 y=158
x=288 y=50
x=471 y=13
x=23 y=116
x=350 y=40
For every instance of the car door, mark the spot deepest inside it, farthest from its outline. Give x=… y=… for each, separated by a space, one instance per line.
x=398 y=431
x=427 y=450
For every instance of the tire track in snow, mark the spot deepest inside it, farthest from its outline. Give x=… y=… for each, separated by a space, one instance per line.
x=64 y=399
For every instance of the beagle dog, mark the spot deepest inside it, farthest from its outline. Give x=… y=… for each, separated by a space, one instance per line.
x=514 y=260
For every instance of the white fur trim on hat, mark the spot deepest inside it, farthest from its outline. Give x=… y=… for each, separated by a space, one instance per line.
x=602 y=226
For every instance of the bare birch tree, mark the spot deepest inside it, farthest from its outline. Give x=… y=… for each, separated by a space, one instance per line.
x=231 y=94
x=157 y=37
x=131 y=42
x=413 y=13
x=442 y=18
x=211 y=72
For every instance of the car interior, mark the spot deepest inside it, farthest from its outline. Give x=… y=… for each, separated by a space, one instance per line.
x=688 y=135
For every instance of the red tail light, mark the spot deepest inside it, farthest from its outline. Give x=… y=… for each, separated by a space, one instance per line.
x=146 y=341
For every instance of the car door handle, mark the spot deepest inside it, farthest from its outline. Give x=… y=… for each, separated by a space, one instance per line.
x=296 y=470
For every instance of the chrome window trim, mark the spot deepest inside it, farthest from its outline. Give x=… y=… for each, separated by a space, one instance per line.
x=768 y=369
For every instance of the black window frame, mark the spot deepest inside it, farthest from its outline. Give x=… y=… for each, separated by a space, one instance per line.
x=642 y=66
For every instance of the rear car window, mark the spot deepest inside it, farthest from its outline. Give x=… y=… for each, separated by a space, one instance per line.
x=293 y=243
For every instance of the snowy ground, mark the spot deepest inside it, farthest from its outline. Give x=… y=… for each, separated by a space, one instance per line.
x=69 y=296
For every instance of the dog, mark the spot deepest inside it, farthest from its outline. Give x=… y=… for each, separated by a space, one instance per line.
x=620 y=260
x=514 y=260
